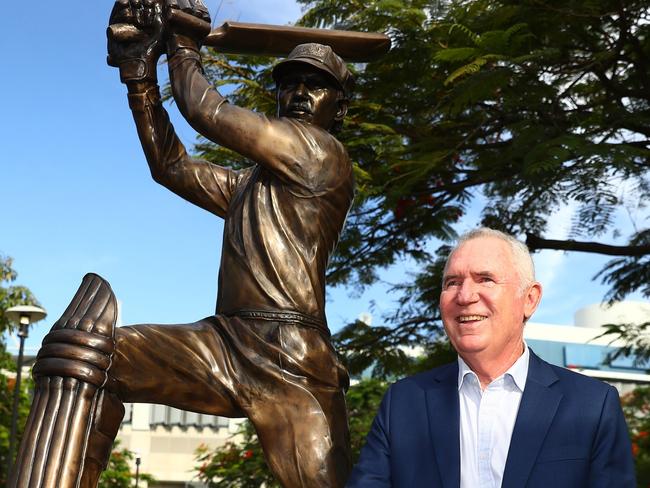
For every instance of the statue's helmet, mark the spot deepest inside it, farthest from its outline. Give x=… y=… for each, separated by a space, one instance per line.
x=321 y=57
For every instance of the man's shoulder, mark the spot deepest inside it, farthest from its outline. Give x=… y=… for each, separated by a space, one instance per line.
x=540 y=371
x=441 y=375
x=570 y=382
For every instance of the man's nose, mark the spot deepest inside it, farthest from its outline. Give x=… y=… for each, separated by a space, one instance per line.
x=467 y=293
x=301 y=89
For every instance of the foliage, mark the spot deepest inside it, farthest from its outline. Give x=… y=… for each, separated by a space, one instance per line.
x=523 y=105
x=7 y=388
x=636 y=342
x=363 y=400
x=240 y=462
x=236 y=464
x=118 y=474
x=10 y=295
x=528 y=104
x=636 y=406
x=629 y=273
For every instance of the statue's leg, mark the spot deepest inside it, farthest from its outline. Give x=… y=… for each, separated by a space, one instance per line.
x=107 y=418
x=301 y=420
x=284 y=377
x=186 y=366
x=166 y=364
x=70 y=405
x=305 y=439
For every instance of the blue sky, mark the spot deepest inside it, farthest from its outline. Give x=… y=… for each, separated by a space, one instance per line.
x=77 y=196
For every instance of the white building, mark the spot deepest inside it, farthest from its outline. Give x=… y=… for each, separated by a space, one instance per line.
x=583 y=348
x=165 y=440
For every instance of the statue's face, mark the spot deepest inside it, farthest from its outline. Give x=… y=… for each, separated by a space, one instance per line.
x=308 y=94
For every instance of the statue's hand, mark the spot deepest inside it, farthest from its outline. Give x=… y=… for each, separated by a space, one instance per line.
x=189 y=23
x=136 y=38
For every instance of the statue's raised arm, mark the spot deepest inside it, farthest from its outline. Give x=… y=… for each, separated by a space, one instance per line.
x=137 y=37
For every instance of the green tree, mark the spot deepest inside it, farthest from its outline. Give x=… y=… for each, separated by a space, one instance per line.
x=530 y=104
x=118 y=474
x=240 y=462
x=10 y=295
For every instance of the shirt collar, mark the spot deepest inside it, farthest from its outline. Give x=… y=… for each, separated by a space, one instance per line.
x=463 y=371
x=518 y=371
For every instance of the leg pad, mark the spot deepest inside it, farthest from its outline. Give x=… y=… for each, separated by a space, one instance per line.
x=73 y=420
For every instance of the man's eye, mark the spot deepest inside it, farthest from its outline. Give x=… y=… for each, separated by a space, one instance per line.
x=452 y=283
x=288 y=83
x=486 y=279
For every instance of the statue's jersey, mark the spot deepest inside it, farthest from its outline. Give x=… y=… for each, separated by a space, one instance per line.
x=281 y=230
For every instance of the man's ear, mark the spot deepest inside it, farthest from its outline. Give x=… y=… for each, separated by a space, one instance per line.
x=341 y=109
x=531 y=299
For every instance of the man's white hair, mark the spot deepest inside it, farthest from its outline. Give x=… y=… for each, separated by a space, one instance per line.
x=520 y=253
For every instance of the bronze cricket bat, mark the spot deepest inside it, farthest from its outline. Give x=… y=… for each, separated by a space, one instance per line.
x=270 y=40
x=279 y=40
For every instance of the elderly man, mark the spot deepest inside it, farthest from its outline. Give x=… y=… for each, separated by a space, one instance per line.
x=500 y=416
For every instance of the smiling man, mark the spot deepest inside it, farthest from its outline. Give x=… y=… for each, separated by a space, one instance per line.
x=500 y=416
x=488 y=293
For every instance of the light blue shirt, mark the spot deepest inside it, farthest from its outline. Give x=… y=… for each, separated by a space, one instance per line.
x=487 y=419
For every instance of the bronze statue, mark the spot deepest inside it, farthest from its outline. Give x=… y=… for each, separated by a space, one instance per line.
x=266 y=353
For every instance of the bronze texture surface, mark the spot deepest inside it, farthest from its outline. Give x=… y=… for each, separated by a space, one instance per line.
x=266 y=353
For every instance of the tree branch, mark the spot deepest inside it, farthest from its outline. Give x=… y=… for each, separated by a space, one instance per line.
x=535 y=243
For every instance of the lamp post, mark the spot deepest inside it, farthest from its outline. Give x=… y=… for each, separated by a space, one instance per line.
x=23 y=315
x=137 y=470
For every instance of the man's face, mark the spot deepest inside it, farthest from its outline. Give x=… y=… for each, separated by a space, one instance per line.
x=308 y=94
x=483 y=308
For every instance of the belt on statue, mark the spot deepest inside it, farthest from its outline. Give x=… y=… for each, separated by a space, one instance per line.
x=283 y=316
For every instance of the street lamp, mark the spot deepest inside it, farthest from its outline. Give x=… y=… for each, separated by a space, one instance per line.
x=23 y=315
x=137 y=469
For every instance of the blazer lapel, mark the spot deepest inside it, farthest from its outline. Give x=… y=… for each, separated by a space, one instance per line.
x=444 y=423
x=538 y=406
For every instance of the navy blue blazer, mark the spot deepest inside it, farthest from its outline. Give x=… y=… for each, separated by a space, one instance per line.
x=569 y=433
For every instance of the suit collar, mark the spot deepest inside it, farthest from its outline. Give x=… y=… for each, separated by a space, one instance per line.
x=444 y=422
x=540 y=371
x=444 y=375
x=538 y=406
